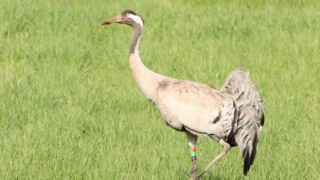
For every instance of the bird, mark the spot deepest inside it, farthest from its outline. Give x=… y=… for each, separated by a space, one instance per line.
x=232 y=115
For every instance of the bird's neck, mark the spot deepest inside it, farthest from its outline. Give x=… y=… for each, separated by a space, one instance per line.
x=147 y=80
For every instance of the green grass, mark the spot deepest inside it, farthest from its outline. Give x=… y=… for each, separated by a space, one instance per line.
x=70 y=108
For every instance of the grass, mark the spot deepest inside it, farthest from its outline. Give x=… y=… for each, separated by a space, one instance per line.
x=70 y=108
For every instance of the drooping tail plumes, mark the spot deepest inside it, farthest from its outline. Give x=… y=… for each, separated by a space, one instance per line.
x=250 y=114
x=247 y=140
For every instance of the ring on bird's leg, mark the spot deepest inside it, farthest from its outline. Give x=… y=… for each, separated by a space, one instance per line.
x=193 y=170
x=193 y=154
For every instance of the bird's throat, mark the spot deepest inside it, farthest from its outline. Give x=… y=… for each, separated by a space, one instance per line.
x=147 y=80
x=137 y=32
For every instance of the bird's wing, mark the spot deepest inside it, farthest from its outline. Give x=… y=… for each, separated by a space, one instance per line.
x=196 y=107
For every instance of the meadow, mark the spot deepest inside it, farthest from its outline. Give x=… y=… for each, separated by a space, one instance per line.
x=70 y=108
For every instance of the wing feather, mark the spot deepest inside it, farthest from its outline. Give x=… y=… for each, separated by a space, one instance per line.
x=199 y=108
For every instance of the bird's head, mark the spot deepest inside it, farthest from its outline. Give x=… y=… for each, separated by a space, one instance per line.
x=128 y=17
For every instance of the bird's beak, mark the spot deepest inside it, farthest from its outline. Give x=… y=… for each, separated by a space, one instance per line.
x=117 y=19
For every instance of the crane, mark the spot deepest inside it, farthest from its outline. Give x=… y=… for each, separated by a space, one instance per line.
x=232 y=116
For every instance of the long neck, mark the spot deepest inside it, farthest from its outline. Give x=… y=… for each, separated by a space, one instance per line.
x=147 y=80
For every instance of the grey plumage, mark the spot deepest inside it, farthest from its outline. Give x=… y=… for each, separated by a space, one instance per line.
x=251 y=114
x=230 y=116
x=195 y=107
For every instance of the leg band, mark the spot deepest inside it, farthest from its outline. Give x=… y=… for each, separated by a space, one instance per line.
x=193 y=154
x=193 y=158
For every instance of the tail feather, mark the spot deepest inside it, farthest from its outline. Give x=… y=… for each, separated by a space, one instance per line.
x=250 y=114
x=245 y=93
x=249 y=152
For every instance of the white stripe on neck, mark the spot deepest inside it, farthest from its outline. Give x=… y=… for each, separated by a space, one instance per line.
x=136 y=49
x=136 y=19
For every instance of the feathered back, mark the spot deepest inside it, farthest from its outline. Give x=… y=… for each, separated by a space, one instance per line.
x=250 y=114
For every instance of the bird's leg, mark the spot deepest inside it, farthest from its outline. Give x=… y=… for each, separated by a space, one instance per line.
x=193 y=170
x=192 y=141
x=226 y=148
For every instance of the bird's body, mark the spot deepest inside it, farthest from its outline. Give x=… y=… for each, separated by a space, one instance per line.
x=195 y=107
x=232 y=116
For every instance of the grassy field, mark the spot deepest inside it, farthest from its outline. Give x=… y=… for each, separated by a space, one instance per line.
x=70 y=108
